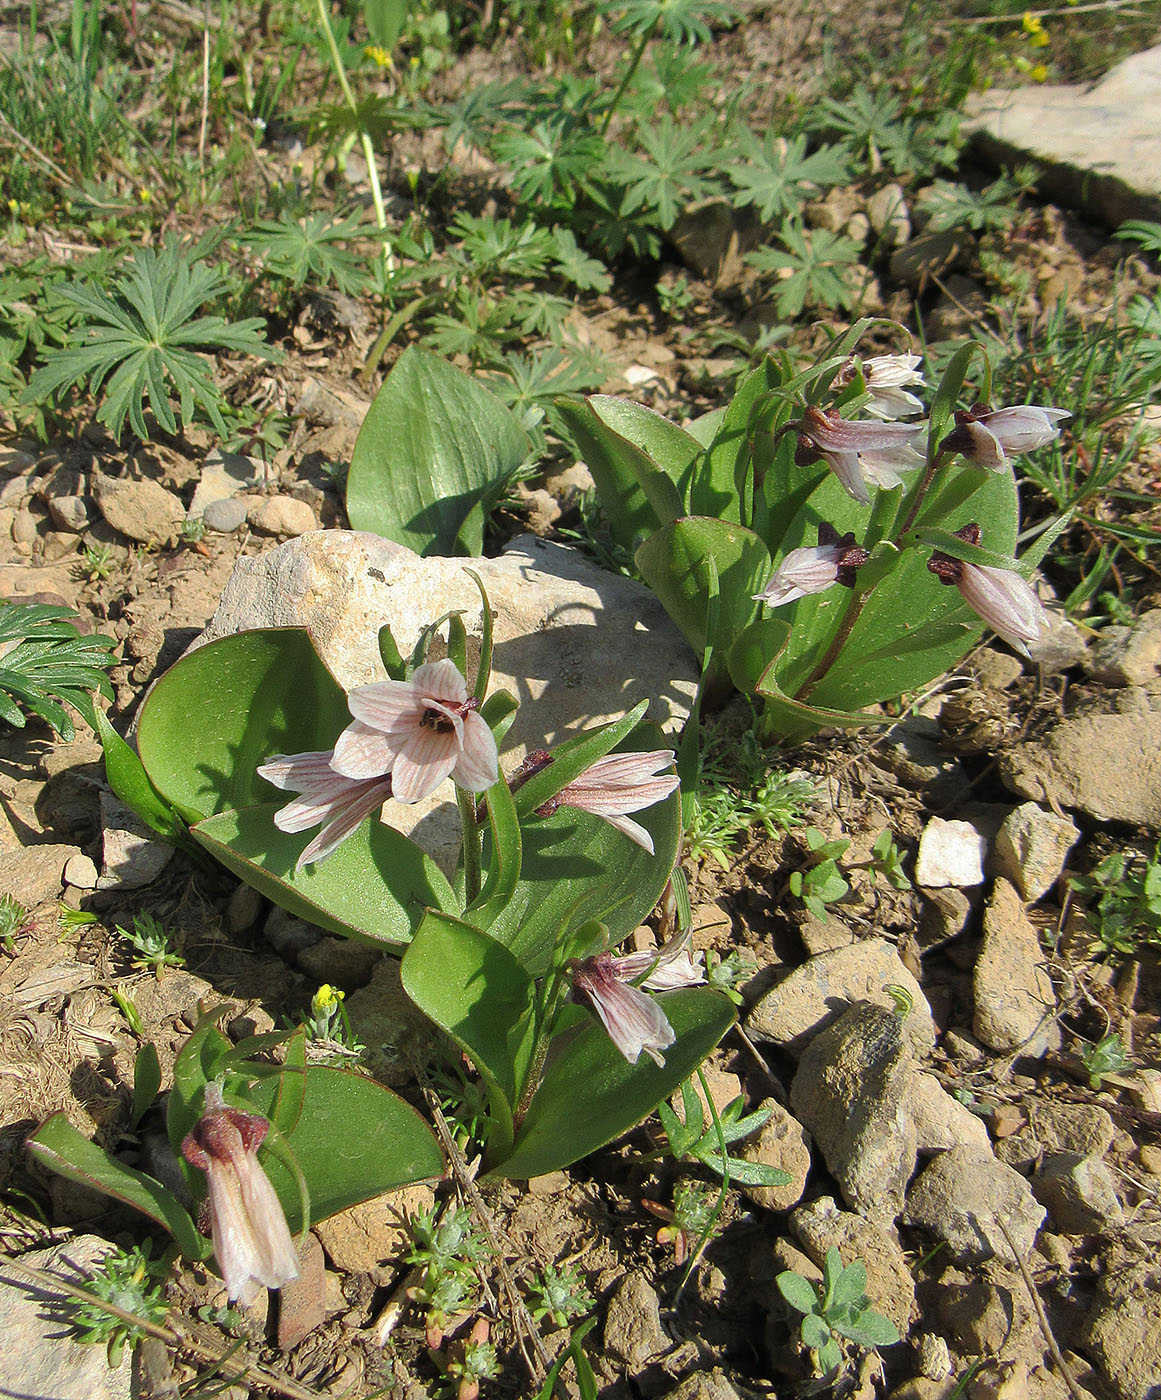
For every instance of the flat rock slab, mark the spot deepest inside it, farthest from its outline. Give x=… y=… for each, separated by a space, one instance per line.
x=1098 y=147
x=42 y=1361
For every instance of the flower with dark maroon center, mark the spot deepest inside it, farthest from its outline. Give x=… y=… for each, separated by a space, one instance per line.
x=988 y=438
x=1001 y=597
x=634 y=1021
x=858 y=452
x=835 y=559
x=252 y=1242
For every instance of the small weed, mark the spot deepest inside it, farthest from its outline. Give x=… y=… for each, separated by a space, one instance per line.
x=132 y=1281
x=328 y=1027
x=447 y=1249
x=887 y=860
x=694 y=1215
x=1126 y=889
x=724 y=974
x=821 y=883
x=559 y=1294
x=150 y=940
x=950 y=205
x=837 y=1308
x=701 y=1143
x=95 y=563
x=1106 y=1056
x=48 y=664
x=14 y=921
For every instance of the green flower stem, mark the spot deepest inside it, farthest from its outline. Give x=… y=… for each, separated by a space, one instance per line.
x=364 y=135
x=634 y=63
x=471 y=843
x=920 y=496
x=837 y=642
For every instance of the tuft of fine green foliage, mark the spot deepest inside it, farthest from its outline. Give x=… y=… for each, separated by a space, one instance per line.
x=46 y=664
x=141 y=340
x=129 y=1279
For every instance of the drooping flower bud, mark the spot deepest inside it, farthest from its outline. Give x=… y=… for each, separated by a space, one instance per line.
x=814 y=568
x=1001 y=597
x=616 y=785
x=988 y=439
x=634 y=1021
x=251 y=1239
x=858 y=452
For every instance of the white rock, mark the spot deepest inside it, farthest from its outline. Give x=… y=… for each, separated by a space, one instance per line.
x=941 y=1121
x=80 y=872
x=283 y=515
x=132 y=856
x=950 y=853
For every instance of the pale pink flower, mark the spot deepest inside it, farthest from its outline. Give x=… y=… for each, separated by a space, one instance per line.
x=814 y=568
x=252 y=1241
x=1001 y=597
x=616 y=785
x=988 y=439
x=885 y=377
x=326 y=799
x=420 y=731
x=633 y=1020
x=858 y=452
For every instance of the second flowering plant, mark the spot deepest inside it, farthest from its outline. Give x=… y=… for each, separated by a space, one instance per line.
x=295 y=785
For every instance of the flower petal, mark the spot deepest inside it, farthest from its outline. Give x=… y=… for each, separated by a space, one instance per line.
x=478 y=765
x=363 y=751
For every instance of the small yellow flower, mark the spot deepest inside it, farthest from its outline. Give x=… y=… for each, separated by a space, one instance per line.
x=1034 y=29
x=1039 y=74
x=379 y=56
x=326 y=998
x=145 y=196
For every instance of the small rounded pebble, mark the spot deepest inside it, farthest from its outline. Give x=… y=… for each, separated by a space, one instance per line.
x=80 y=872
x=283 y=515
x=224 y=517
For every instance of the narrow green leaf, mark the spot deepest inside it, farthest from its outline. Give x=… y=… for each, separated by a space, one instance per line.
x=146 y=1082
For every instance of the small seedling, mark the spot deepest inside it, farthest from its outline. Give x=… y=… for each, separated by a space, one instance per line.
x=1127 y=889
x=724 y=974
x=887 y=860
x=560 y=1295
x=693 y=1139
x=820 y=883
x=151 y=939
x=14 y=921
x=95 y=563
x=1107 y=1056
x=694 y=1214
x=472 y=1361
x=130 y=1280
x=836 y=1308
x=447 y=1249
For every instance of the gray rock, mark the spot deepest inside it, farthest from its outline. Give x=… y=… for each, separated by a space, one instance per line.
x=243 y=909
x=15 y=462
x=34 y=874
x=142 y=510
x=784 y=1143
x=1079 y=1194
x=577 y=645
x=131 y=856
x=42 y=1363
x=81 y=872
x=705 y=1385
x=889 y=216
x=1097 y=147
x=222 y=476
x=824 y=986
x=70 y=513
x=1060 y=645
x=1086 y=1128
x=288 y=935
x=851 y=1093
x=633 y=1332
x=962 y=1196
x=1031 y=848
x=711 y=240
x=1014 y=996
x=983 y=1316
x=224 y=517
x=386 y=1020
x=282 y=515
x=821 y=1225
x=950 y=853
x=941 y=1121
x=930 y=255
x=1128 y=655
x=25 y=527
x=945 y=915
x=340 y=961
x=1123 y=1331
x=1104 y=764
x=918 y=759
x=996 y=670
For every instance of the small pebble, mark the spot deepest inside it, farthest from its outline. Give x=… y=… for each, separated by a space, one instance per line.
x=81 y=872
x=283 y=515
x=224 y=517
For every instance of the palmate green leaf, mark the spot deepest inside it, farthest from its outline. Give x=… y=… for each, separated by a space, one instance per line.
x=435 y=452
x=308 y=249
x=52 y=665
x=590 y=1094
x=777 y=175
x=669 y=171
x=682 y=21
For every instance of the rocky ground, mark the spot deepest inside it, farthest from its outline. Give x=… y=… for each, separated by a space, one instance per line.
x=1005 y=1201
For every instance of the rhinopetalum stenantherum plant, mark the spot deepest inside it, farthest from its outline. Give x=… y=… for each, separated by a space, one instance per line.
x=296 y=786
x=800 y=535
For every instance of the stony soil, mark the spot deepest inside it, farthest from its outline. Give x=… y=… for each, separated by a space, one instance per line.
x=1006 y=1210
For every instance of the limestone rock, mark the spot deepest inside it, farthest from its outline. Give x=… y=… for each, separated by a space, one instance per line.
x=1079 y=1194
x=132 y=856
x=633 y=1332
x=223 y=476
x=930 y=255
x=1014 y=996
x=282 y=515
x=1129 y=655
x=704 y=1385
x=1123 y=1331
x=376 y=1233
x=851 y=1094
x=142 y=510
x=1097 y=147
x=34 y=874
x=287 y=934
x=38 y=1362
x=1060 y=645
x=889 y=216
x=70 y=513
x=340 y=961
x=224 y=517
x=815 y=993
x=80 y=872
x=961 y=1197
x=781 y=1142
x=711 y=240
x=1031 y=848
x=950 y=853
x=1086 y=1128
x=890 y=1284
x=386 y=1020
x=1105 y=764
x=941 y=1121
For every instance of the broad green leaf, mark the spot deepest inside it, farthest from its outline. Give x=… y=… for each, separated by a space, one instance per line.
x=718 y=480
x=59 y=1146
x=374 y=887
x=354 y=1139
x=816 y=1332
x=570 y=759
x=227 y=707
x=434 y=454
x=146 y=1081
x=870 y=1330
x=505 y=856
x=590 y=1094
x=674 y=562
x=797 y=1291
x=198 y=1061
x=475 y=990
x=129 y=780
x=385 y=21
